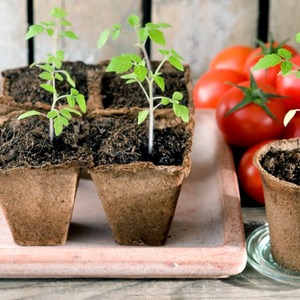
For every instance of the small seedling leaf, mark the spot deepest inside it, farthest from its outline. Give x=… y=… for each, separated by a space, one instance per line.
x=143 y=34
x=58 y=125
x=142 y=116
x=128 y=76
x=269 y=60
x=81 y=102
x=58 y=77
x=140 y=72
x=68 y=77
x=103 y=38
x=29 y=114
x=177 y=96
x=71 y=100
x=33 y=31
x=65 y=113
x=157 y=36
x=58 y=12
x=165 y=101
x=60 y=54
x=176 y=63
x=74 y=92
x=65 y=23
x=46 y=67
x=47 y=87
x=120 y=64
x=164 y=52
x=52 y=114
x=50 y=31
x=46 y=75
x=73 y=111
x=115 y=33
x=160 y=82
x=71 y=35
x=174 y=53
x=133 y=20
x=164 y=25
x=181 y=111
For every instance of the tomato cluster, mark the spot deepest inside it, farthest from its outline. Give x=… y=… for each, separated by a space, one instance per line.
x=250 y=105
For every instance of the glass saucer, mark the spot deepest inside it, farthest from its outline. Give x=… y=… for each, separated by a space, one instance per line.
x=260 y=258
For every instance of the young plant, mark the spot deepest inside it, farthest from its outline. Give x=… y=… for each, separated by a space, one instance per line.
x=51 y=72
x=138 y=69
x=283 y=58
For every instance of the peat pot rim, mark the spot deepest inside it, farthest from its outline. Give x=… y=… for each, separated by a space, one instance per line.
x=282 y=145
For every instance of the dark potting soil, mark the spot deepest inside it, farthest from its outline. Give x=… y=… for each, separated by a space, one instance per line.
x=125 y=142
x=28 y=144
x=117 y=94
x=88 y=141
x=25 y=83
x=284 y=165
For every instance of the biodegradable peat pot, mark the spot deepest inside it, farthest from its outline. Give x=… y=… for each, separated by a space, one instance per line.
x=37 y=206
x=282 y=200
x=140 y=197
x=38 y=179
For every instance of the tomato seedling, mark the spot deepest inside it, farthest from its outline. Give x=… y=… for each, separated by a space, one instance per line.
x=51 y=71
x=138 y=69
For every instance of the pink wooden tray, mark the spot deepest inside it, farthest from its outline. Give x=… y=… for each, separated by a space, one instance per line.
x=206 y=238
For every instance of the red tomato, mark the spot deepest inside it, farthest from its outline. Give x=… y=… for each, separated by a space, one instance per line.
x=292 y=130
x=232 y=58
x=250 y=124
x=212 y=85
x=269 y=75
x=290 y=86
x=248 y=175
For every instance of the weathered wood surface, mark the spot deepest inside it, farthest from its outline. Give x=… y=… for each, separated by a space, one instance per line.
x=247 y=285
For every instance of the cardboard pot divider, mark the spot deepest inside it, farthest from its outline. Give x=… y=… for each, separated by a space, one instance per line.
x=282 y=202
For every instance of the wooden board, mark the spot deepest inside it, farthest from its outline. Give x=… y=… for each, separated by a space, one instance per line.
x=206 y=238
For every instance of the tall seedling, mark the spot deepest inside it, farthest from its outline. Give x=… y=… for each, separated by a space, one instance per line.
x=51 y=72
x=138 y=69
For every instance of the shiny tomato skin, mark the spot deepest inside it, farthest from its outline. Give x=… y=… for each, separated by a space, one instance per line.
x=249 y=125
x=292 y=130
x=290 y=86
x=248 y=175
x=232 y=58
x=211 y=86
x=268 y=76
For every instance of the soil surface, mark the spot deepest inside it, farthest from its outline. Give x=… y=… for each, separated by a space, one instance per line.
x=122 y=141
x=107 y=140
x=117 y=94
x=284 y=165
x=28 y=144
x=25 y=83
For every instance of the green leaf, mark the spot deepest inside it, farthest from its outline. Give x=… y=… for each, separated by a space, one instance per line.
x=60 y=54
x=175 y=62
x=65 y=23
x=71 y=35
x=58 y=12
x=140 y=72
x=73 y=111
x=115 y=33
x=297 y=37
x=46 y=67
x=177 y=96
x=81 y=102
x=46 y=76
x=28 y=114
x=160 y=82
x=284 y=53
x=164 y=52
x=165 y=101
x=33 y=31
x=129 y=76
x=71 y=100
x=49 y=23
x=58 y=77
x=182 y=112
x=65 y=113
x=142 y=116
x=157 y=36
x=286 y=67
x=50 y=31
x=58 y=125
x=57 y=62
x=269 y=60
x=74 y=92
x=119 y=64
x=133 y=20
x=68 y=77
x=103 y=38
x=174 y=53
x=48 y=88
x=143 y=34
x=52 y=114
x=164 y=25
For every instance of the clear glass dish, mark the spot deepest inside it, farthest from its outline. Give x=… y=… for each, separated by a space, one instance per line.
x=260 y=258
